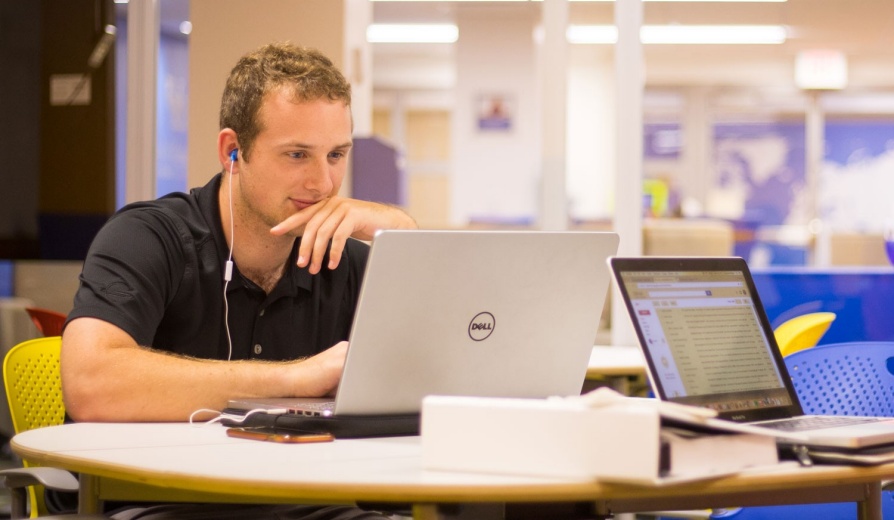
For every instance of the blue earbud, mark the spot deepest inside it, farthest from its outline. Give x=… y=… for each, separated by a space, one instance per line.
x=234 y=155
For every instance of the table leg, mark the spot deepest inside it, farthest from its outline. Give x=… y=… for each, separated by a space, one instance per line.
x=88 y=495
x=458 y=511
x=871 y=507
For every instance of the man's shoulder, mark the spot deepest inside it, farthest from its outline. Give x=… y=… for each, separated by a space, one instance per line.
x=179 y=204
x=191 y=213
x=171 y=210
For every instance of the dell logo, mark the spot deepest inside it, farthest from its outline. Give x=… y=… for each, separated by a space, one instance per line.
x=482 y=326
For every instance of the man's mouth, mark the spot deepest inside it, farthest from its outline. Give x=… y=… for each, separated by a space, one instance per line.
x=302 y=204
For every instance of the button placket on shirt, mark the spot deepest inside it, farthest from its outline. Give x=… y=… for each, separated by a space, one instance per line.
x=257 y=349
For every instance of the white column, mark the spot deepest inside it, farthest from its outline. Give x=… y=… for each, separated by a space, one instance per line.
x=696 y=131
x=553 y=93
x=142 y=65
x=814 y=130
x=358 y=63
x=629 y=175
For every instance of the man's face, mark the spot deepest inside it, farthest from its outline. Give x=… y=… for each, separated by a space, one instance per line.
x=298 y=159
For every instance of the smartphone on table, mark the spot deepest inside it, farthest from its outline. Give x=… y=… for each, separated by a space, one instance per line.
x=265 y=433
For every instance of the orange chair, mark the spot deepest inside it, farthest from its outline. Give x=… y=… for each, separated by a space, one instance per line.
x=48 y=323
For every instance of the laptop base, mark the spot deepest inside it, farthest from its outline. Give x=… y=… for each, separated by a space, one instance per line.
x=341 y=426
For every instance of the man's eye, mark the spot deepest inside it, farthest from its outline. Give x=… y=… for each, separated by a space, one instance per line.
x=297 y=155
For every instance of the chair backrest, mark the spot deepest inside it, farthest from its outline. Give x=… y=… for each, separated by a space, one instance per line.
x=845 y=378
x=34 y=391
x=33 y=385
x=48 y=322
x=802 y=331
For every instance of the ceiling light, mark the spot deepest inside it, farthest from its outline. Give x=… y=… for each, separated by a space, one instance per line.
x=738 y=1
x=683 y=34
x=412 y=33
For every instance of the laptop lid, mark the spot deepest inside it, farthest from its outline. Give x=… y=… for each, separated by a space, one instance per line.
x=478 y=313
x=705 y=335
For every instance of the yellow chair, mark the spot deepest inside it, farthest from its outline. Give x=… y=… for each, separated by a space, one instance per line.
x=802 y=332
x=34 y=392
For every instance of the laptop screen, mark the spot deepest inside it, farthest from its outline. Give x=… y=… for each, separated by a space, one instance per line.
x=704 y=335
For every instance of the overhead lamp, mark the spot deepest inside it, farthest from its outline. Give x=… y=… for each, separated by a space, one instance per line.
x=683 y=34
x=691 y=1
x=412 y=33
x=821 y=69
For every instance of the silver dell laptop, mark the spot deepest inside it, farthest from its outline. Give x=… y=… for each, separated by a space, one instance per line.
x=477 y=313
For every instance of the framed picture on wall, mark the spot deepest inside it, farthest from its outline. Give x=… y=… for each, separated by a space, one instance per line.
x=495 y=112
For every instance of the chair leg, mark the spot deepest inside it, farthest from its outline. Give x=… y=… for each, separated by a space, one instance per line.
x=18 y=502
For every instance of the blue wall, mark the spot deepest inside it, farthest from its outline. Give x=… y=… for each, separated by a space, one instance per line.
x=860 y=298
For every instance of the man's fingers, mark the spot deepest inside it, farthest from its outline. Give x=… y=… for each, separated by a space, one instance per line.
x=293 y=225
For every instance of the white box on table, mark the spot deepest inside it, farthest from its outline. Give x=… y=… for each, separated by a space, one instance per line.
x=568 y=439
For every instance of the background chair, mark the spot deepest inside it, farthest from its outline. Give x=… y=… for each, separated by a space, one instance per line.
x=34 y=392
x=835 y=379
x=845 y=378
x=48 y=323
x=803 y=331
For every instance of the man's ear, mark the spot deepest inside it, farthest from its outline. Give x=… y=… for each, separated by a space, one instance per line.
x=227 y=143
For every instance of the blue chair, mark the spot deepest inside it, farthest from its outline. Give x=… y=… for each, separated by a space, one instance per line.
x=845 y=378
x=835 y=379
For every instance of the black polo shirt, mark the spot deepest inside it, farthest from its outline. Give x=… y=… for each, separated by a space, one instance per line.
x=155 y=270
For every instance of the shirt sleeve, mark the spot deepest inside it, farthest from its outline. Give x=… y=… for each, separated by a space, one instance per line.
x=132 y=270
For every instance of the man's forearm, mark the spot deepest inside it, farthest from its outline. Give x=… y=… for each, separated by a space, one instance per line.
x=111 y=380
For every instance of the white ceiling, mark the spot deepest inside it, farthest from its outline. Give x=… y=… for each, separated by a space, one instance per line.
x=854 y=26
x=862 y=29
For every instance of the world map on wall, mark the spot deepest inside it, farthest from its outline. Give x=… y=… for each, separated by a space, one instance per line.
x=759 y=172
x=759 y=175
x=857 y=177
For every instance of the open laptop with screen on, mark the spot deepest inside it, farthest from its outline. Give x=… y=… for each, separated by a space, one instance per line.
x=707 y=342
x=477 y=313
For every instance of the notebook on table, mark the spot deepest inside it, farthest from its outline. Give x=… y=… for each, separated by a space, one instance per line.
x=474 y=313
x=707 y=342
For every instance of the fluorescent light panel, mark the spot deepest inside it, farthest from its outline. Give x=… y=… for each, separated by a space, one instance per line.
x=683 y=34
x=598 y=34
x=690 y=1
x=412 y=33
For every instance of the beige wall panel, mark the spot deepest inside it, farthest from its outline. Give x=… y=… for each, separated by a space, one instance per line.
x=429 y=200
x=428 y=135
x=381 y=124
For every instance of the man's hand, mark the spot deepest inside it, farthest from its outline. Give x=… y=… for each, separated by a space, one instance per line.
x=336 y=219
x=324 y=370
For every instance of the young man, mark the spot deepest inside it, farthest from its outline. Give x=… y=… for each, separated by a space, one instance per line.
x=161 y=328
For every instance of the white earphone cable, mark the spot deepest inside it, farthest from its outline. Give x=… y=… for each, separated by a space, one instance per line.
x=228 y=272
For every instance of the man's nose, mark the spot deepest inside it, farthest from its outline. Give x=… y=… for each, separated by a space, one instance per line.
x=318 y=177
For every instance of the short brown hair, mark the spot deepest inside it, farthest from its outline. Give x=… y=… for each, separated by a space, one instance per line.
x=308 y=73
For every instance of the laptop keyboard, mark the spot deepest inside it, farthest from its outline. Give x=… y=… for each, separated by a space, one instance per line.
x=799 y=424
x=319 y=407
